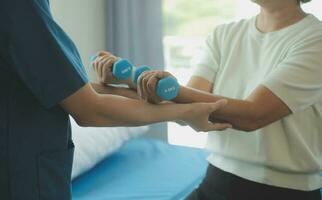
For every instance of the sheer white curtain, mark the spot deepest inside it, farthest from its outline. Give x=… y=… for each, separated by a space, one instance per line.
x=134 y=32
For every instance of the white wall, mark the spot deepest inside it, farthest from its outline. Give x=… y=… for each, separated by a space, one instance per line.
x=85 y=22
x=247 y=9
x=314 y=7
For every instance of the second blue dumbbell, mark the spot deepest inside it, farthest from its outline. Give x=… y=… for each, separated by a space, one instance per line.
x=122 y=69
x=167 y=88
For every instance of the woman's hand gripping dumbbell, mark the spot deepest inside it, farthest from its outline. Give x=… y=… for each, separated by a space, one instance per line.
x=155 y=86
x=109 y=69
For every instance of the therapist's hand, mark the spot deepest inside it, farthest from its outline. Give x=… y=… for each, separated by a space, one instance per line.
x=103 y=68
x=198 y=118
x=147 y=84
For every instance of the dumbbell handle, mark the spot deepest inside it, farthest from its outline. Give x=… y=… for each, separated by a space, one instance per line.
x=122 y=69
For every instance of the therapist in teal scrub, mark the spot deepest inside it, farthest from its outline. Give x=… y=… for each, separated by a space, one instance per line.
x=42 y=81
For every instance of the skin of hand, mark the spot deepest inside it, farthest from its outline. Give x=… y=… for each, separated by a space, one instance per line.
x=222 y=125
x=199 y=119
x=89 y=108
x=103 y=65
x=147 y=84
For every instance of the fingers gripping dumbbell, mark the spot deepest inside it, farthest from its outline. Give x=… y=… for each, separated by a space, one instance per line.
x=167 y=88
x=122 y=69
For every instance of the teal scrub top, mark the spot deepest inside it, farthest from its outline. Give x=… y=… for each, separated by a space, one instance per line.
x=39 y=67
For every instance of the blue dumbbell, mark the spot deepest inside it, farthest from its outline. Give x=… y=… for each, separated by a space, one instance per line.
x=167 y=88
x=122 y=69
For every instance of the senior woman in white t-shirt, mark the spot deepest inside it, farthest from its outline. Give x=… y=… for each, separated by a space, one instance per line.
x=269 y=68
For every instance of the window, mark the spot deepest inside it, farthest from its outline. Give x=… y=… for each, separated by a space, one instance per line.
x=186 y=25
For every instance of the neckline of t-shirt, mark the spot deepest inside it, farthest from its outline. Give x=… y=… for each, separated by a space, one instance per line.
x=293 y=27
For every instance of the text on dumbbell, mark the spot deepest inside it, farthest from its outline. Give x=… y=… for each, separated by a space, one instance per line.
x=170 y=89
x=126 y=70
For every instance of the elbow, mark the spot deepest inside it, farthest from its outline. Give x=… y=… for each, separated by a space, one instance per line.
x=250 y=127
x=82 y=122
x=83 y=118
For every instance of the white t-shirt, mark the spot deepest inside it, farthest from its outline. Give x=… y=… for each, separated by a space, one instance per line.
x=237 y=58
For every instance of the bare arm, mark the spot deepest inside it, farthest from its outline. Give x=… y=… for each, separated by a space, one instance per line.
x=260 y=109
x=92 y=109
x=89 y=108
x=107 y=89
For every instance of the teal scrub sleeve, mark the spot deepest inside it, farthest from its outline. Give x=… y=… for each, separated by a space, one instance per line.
x=44 y=57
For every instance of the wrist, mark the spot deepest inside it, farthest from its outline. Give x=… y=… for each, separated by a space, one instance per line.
x=183 y=111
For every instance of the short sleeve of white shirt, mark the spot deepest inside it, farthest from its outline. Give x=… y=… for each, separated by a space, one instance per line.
x=206 y=64
x=297 y=81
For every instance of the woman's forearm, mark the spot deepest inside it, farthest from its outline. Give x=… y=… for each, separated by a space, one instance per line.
x=92 y=109
x=240 y=113
x=89 y=108
x=106 y=89
x=123 y=111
